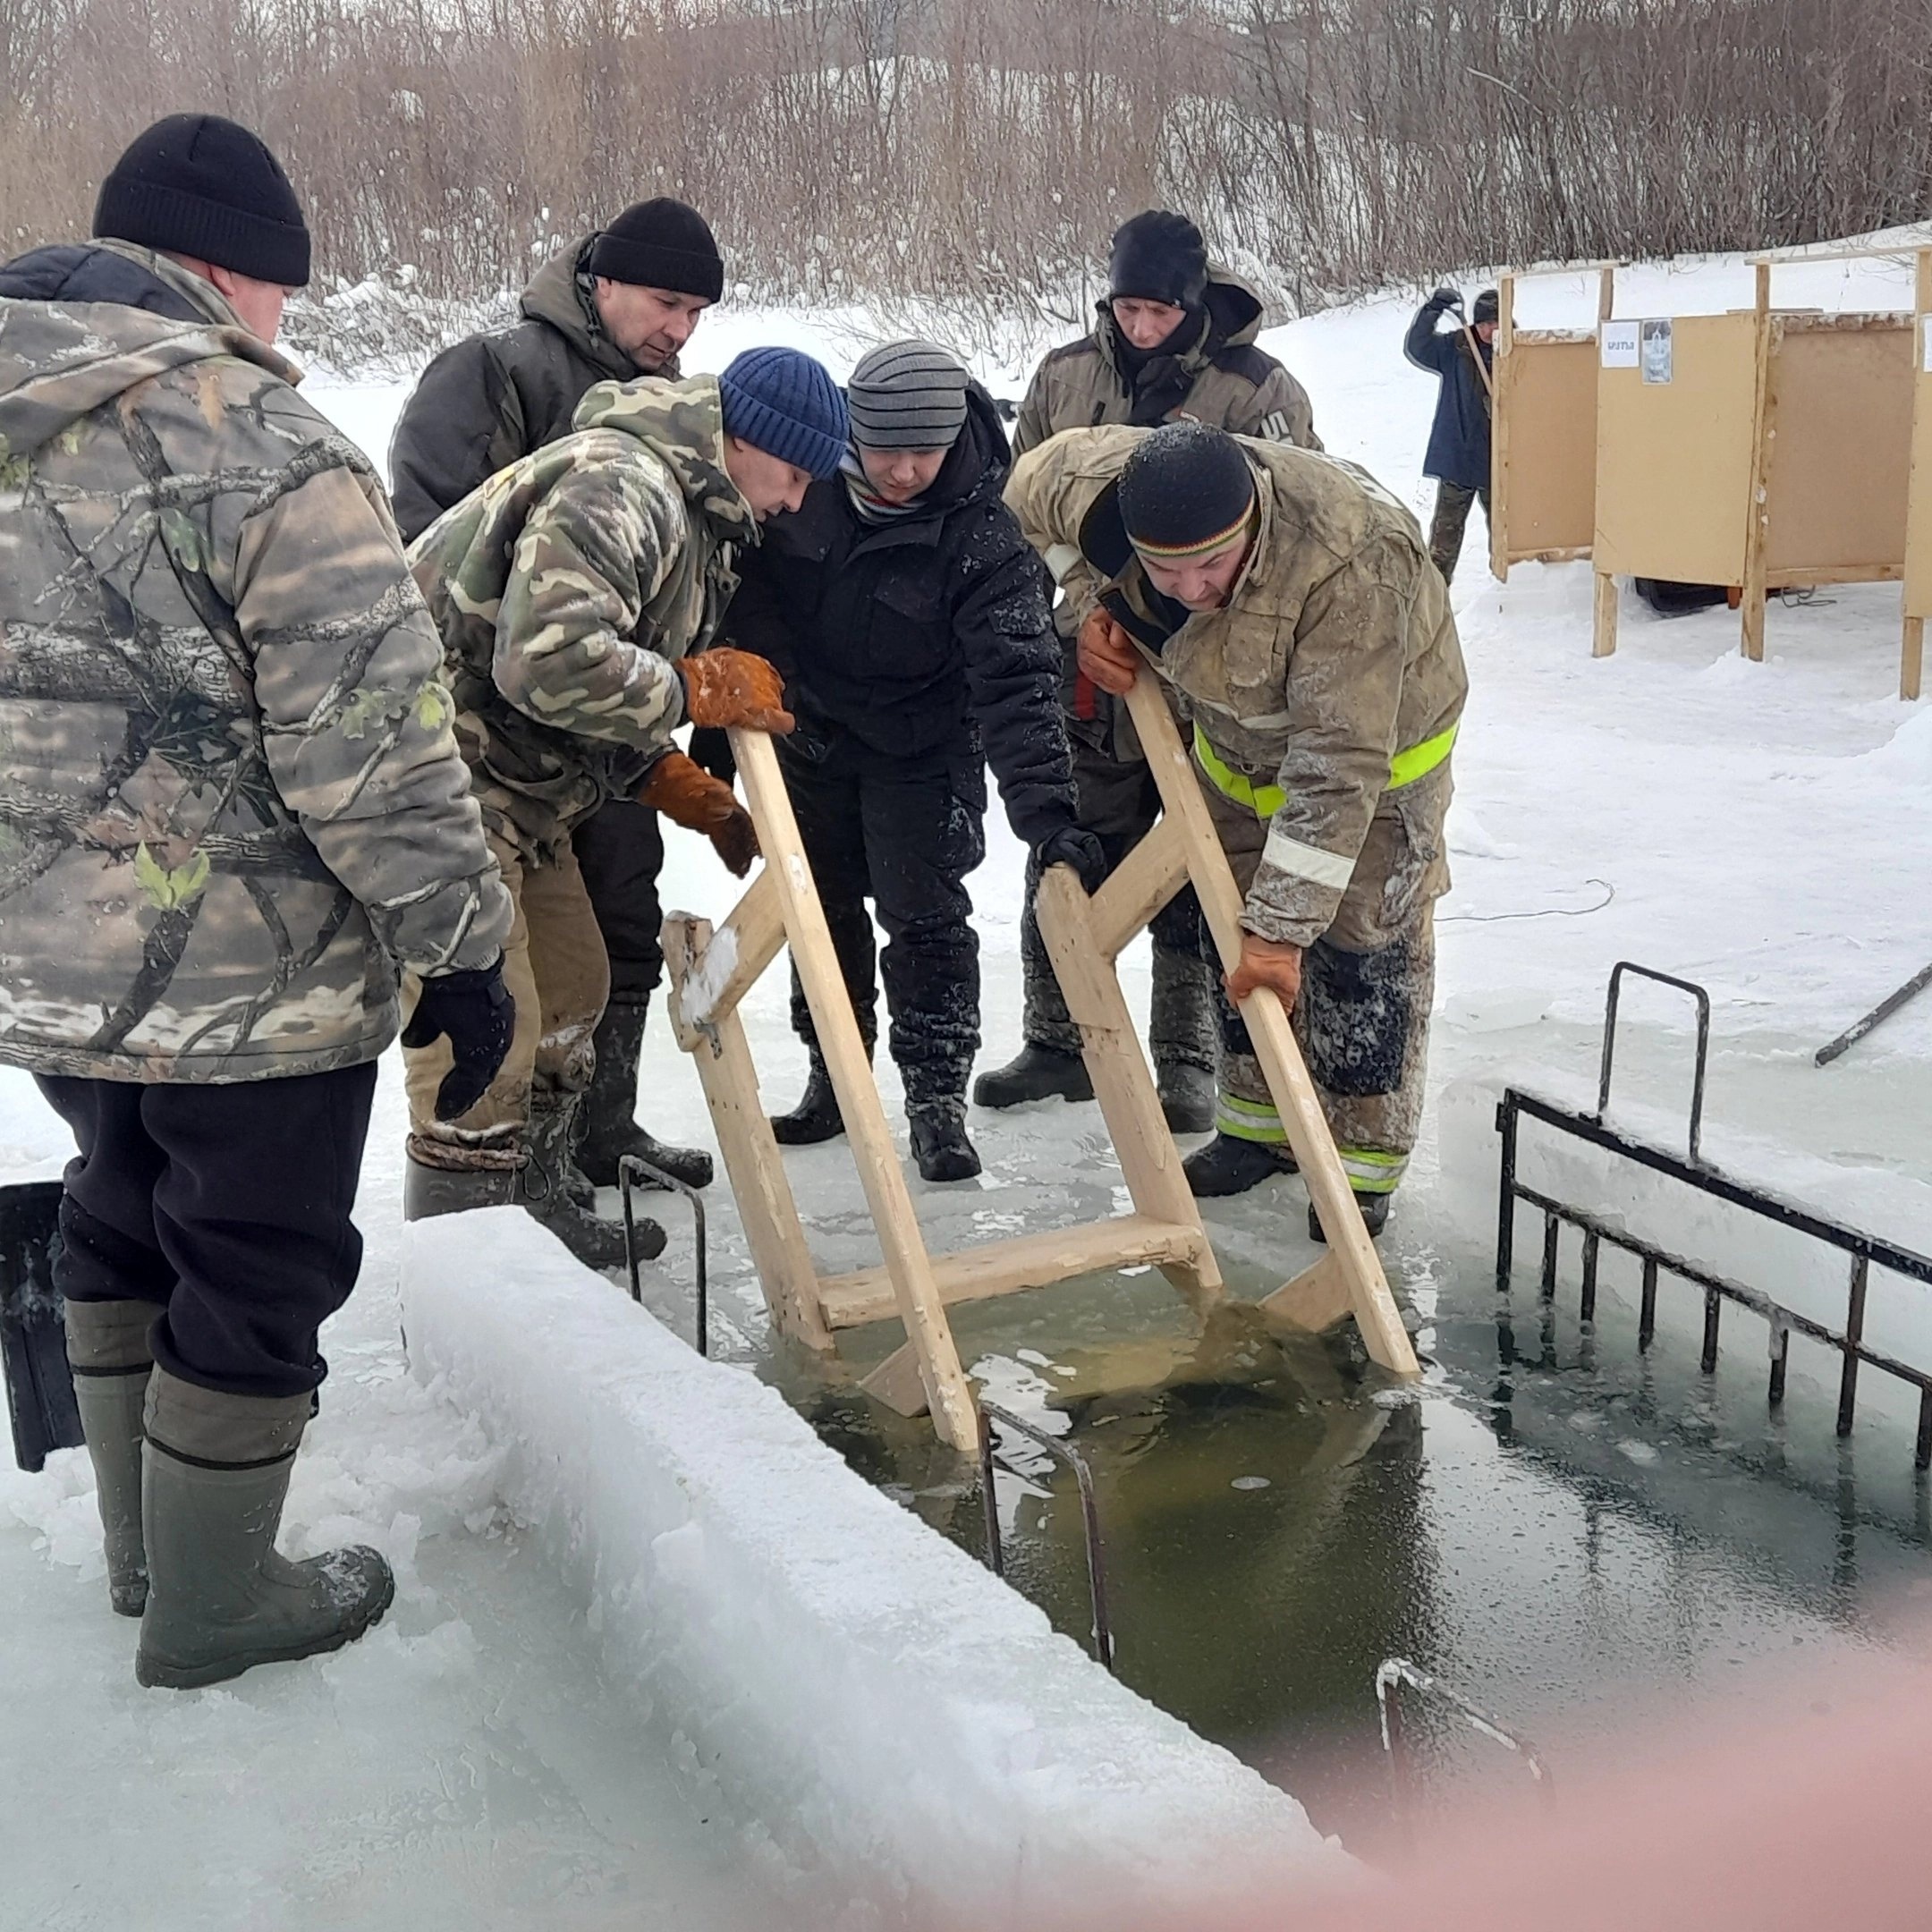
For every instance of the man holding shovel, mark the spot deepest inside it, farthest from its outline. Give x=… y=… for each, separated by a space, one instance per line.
x=1287 y=600
x=1458 y=453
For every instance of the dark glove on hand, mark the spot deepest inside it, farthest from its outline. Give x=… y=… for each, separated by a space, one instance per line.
x=1074 y=846
x=1446 y=297
x=474 y=1010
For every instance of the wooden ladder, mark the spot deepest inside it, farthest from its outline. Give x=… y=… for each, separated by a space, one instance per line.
x=712 y=969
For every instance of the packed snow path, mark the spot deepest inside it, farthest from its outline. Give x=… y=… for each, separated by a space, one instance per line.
x=1761 y=828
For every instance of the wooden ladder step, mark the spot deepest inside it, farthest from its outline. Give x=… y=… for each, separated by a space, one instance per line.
x=1026 y=1261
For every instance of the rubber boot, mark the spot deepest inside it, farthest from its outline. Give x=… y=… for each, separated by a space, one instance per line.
x=221 y=1599
x=1229 y=1165
x=610 y=1128
x=1187 y=1096
x=1034 y=1073
x=107 y=1350
x=427 y=1190
x=815 y=1117
x=1374 y=1208
x=939 y=1142
x=597 y=1242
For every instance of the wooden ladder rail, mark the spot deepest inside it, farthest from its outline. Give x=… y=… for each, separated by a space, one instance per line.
x=1349 y=1278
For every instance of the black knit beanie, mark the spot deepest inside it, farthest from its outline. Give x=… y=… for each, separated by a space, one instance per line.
x=1488 y=307
x=1159 y=256
x=1185 y=490
x=661 y=244
x=198 y=185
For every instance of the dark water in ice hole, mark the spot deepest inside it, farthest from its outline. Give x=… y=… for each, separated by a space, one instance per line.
x=1573 y=1534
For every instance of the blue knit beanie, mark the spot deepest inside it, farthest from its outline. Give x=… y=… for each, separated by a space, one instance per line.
x=785 y=403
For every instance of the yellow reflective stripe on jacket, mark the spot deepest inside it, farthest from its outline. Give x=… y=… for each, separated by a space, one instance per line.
x=1264 y=800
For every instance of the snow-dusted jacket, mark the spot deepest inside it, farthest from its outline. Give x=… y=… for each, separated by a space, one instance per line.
x=231 y=802
x=490 y=398
x=1333 y=673
x=566 y=588
x=916 y=634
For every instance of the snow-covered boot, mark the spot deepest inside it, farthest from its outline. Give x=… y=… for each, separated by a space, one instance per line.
x=597 y=1242
x=815 y=1117
x=1374 y=1208
x=221 y=1599
x=1187 y=1096
x=107 y=1350
x=429 y=1191
x=610 y=1128
x=1034 y=1073
x=1229 y=1165
x=939 y=1142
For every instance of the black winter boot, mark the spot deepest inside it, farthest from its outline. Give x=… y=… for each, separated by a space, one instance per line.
x=610 y=1128
x=1374 y=1208
x=1228 y=1165
x=221 y=1599
x=107 y=1352
x=429 y=1192
x=1034 y=1073
x=1187 y=1097
x=597 y=1242
x=815 y=1117
x=939 y=1142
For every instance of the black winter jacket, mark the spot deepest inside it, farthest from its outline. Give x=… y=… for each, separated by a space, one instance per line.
x=1459 y=438
x=490 y=398
x=910 y=634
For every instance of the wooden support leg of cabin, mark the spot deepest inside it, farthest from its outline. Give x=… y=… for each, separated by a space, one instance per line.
x=1150 y=1163
x=1604 y=617
x=751 y=1159
x=955 y=1416
x=1911 y=658
x=1274 y=1041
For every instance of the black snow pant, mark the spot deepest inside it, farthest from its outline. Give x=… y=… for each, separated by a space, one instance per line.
x=903 y=832
x=227 y=1206
x=1119 y=804
x=1452 y=502
x=620 y=852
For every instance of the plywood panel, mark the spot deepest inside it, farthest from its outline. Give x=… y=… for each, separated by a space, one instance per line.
x=1839 y=455
x=1673 y=459
x=1551 y=499
x=1919 y=520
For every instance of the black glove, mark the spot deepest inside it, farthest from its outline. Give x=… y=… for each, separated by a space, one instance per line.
x=475 y=1010
x=1446 y=297
x=1074 y=846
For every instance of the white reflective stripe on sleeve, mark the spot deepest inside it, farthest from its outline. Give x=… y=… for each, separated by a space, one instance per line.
x=1060 y=558
x=1287 y=854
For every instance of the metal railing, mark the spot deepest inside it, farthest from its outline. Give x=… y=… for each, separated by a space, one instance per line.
x=1863 y=1251
x=630 y=1168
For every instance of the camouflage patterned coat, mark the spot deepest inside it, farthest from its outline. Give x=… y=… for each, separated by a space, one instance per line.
x=566 y=586
x=231 y=802
x=1335 y=671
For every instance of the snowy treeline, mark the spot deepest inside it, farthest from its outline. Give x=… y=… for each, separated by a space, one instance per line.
x=979 y=151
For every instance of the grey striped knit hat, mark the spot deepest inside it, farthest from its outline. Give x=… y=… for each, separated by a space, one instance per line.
x=907 y=395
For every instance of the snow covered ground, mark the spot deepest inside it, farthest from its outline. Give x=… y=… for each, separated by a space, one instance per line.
x=1761 y=829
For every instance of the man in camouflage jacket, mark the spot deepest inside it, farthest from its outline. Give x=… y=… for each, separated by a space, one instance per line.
x=1175 y=340
x=1289 y=607
x=231 y=806
x=613 y=306
x=574 y=591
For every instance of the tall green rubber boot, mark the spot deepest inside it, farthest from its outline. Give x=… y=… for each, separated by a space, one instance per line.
x=107 y=1350
x=221 y=1599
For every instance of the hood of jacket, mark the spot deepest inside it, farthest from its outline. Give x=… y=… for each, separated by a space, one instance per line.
x=978 y=462
x=562 y=294
x=683 y=425
x=1234 y=310
x=73 y=338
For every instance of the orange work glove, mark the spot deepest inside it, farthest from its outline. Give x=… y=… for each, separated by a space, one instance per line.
x=734 y=687
x=1106 y=654
x=1267 y=962
x=689 y=796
